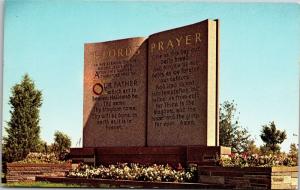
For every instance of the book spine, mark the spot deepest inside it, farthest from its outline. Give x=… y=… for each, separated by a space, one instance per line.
x=212 y=84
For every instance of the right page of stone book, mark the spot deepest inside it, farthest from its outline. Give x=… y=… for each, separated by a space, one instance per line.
x=183 y=86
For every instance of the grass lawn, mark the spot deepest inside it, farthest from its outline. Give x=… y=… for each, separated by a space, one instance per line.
x=52 y=185
x=40 y=184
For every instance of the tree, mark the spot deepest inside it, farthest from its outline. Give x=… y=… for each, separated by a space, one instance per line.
x=23 y=131
x=42 y=147
x=293 y=153
x=293 y=150
x=62 y=144
x=252 y=148
x=272 y=137
x=232 y=134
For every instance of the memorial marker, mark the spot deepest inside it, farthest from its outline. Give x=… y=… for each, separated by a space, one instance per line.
x=176 y=104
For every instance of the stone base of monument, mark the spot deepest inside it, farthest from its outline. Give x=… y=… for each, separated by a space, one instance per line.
x=172 y=155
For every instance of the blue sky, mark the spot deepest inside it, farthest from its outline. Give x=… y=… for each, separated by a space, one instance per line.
x=260 y=54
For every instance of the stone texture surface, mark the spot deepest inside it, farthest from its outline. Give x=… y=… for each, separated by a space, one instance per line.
x=182 y=86
x=284 y=178
x=114 y=111
x=28 y=172
x=212 y=179
x=86 y=155
x=250 y=178
x=172 y=155
x=294 y=181
x=205 y=155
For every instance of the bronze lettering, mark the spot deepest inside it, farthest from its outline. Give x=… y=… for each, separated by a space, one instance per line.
x=97 y=75
x=98 y=89
x=170 y=44
x=152 y=47
x=160 y=45
x=179 y=41
x=112 y=53
x=120 y=52
x=127 y=51
x=198 y=39
x=188 y=39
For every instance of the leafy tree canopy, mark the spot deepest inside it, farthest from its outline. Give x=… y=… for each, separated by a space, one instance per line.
x=272 y=137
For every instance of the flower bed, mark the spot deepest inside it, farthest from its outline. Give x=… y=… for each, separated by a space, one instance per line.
x=34 y=157
x=137 y=172
x=255 y=160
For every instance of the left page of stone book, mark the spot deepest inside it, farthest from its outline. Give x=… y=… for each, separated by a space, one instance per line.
x=115 y=88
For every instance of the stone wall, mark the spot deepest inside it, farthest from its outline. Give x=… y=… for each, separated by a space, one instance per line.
x=172 y=155
x=284 y=178
x=250 y=178
x=28 y=172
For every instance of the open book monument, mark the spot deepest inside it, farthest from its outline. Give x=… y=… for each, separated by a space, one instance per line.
x=153 y=100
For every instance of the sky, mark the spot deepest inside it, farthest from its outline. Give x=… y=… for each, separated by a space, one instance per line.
x=259 y=54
